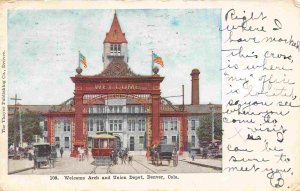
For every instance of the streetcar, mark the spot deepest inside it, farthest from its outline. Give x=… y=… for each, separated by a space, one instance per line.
x=104 y=149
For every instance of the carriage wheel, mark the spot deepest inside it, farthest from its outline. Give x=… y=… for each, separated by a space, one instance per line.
x=175 y=160
x=157 y=159
x=49 y=163
x=35 y=164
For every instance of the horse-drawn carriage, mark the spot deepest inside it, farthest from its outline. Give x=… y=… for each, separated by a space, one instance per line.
x=103 y=145
x=42 y=155
x=164 y=152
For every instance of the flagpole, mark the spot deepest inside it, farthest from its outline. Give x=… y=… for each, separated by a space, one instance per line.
x=152 y=62
x=79 y=58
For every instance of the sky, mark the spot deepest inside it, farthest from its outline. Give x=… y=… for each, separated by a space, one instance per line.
x=43 y=50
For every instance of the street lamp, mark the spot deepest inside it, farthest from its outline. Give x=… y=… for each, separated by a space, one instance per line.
x=212 y=110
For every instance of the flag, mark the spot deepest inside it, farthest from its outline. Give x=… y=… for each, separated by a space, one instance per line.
x=82 y=60
x=156 y=59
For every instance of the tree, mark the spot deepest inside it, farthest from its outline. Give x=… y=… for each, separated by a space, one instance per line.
x=204 y=130
x=30 y=126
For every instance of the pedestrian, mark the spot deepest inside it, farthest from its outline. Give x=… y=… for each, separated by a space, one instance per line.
x=61 y=152
x=81 y=152
x=193 y=156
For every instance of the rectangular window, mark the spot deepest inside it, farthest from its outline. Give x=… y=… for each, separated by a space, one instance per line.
x=140 y=125
x=133 y=125
x=129 y=125
x=111 y=125
x=115 y=49
x=101 y=125
x=128 y=109
x=57 y=142
x=193 y=125
x=98 y=125
x=141 y=139
x=175 y=125
x=119 y=49
x=115 y=125
x=111 y=49
x=91 y=125
x=131 y=143
x=166 y=125
x=143 y=125
x=66 y=125
x=67 y=142
x=120 y=109
x=173 y=139
x=193 y=141
x=69 y=126
x=120 y=125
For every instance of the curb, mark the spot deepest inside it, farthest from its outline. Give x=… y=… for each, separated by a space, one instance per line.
x=21 y=170
x=204 y=165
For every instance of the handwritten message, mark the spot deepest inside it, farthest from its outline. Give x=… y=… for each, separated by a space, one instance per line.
x=259 y=55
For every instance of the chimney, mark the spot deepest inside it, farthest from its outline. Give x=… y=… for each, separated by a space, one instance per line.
x=195 y=86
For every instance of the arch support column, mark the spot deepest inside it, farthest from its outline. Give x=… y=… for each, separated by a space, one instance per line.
x=78 y=134
x=50 y=128
x=155 y=119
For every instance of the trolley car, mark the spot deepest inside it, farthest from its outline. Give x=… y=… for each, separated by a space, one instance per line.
x=103 y=145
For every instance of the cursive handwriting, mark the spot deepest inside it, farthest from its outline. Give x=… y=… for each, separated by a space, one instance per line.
x=259 y=55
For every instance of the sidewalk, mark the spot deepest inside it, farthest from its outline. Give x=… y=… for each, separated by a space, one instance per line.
x=211 y=163
x=15 y=166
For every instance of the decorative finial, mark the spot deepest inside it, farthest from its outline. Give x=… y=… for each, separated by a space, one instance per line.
x=78 y=70
x=155 y=70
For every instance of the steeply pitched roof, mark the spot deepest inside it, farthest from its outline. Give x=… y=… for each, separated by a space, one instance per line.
x=117 y=67
x=115 y=34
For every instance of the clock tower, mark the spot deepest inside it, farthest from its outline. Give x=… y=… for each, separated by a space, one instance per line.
x=115 y=44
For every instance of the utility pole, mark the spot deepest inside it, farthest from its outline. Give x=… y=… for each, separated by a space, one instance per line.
x=213 y=123
x=15 y=127
x=20 y=126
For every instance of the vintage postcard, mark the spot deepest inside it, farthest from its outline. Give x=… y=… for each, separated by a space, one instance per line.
x=150 y=95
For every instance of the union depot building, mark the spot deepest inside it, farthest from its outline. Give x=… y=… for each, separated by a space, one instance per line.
x=123 y=103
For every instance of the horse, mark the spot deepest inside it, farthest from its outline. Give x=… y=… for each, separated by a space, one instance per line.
x=123 y=154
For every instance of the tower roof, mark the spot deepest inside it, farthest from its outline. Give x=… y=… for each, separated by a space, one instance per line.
x=115 y=34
